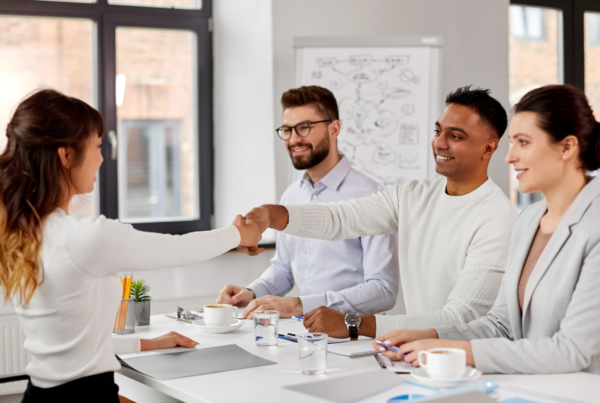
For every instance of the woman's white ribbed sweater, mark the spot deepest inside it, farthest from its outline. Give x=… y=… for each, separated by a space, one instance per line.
x=69 y=321
x=452 y=249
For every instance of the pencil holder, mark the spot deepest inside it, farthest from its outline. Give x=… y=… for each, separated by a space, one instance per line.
x=125 y=320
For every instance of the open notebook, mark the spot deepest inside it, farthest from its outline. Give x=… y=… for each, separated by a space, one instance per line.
x=353 y=349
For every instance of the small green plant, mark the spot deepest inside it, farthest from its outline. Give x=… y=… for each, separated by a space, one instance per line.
x=140 y=290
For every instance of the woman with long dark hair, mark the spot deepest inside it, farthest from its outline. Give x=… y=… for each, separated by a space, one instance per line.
x=546 y=318
x=59 y=270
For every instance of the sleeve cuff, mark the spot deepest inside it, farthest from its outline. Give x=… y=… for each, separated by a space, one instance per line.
x=310 y=302
x=294 y=219
x=126 y=344
x=384 y=324
x=259 y=289
x=230 y=235
x=483 y=362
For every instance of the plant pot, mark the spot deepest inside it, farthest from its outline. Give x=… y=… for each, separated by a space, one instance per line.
x=142 y=313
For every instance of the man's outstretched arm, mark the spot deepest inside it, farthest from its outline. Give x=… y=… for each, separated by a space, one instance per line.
x=373 y=215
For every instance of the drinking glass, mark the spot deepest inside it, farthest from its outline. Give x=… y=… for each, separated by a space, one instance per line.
x=266 y=324
x=313 y=353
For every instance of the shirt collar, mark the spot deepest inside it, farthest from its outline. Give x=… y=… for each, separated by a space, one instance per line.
x=334 y=178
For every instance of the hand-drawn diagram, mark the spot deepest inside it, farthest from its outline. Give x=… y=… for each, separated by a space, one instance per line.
x=382 y=95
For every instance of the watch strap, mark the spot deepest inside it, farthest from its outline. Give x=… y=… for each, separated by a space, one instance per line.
x=353 y=332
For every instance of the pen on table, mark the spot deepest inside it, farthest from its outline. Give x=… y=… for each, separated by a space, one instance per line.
x=300 y=318
x=378 y=358
x=288 y=337
x=382 y=344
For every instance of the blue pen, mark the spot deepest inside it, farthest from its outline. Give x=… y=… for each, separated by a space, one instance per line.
x=286 y=337
x=300 y=318
x=382 y=344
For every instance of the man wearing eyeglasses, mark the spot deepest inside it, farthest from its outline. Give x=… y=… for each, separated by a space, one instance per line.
x=353 y=275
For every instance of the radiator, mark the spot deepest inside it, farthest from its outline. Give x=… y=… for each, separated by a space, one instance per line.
x=13 y=357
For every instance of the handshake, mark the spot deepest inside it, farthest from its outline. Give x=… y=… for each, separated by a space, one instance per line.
x=252 y=225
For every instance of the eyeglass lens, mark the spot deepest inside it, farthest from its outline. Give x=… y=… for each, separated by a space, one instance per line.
x=302 y=129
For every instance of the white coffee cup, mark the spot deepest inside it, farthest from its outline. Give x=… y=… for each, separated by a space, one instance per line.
x=444 y=363
x=219 y=314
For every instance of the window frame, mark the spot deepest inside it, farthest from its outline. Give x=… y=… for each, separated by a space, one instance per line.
x=573 y=31
x=107 y=18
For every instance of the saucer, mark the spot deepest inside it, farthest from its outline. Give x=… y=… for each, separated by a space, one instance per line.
x=421 y=375
x=235 y=324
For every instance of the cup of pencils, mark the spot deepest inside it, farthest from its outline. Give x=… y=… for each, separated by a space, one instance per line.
x=125 y=320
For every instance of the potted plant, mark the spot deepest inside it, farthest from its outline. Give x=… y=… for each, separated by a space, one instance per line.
x=141 y=302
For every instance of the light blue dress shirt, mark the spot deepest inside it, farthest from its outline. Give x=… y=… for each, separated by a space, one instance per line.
x=353 y=275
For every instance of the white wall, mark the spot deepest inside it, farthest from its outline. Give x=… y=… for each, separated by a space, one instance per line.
x=243 y=107
x=475 y=46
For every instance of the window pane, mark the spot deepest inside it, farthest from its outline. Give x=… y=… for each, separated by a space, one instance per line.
x=535 y=59
x=46 y=53
x=188 y=4
x=592 y=61
x=156 y=112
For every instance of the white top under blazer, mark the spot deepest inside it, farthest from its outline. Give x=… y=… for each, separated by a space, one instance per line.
x=69 y=320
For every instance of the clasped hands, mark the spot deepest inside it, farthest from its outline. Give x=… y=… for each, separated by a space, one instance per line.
x=257 y=221
x=251 y=228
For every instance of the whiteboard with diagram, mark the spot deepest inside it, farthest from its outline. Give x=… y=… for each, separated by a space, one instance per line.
x=388 y=99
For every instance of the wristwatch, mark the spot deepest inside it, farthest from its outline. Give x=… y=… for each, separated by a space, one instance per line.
x=352 y=321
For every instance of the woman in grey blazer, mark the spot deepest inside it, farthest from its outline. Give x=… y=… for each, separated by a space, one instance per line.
x=546 y=318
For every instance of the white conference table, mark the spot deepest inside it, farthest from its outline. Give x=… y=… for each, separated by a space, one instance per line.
x=263 y=384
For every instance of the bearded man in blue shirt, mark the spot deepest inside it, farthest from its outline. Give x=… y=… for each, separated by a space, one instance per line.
x=354 y=275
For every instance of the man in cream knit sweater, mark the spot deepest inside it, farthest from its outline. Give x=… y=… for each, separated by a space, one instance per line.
x=453 y=231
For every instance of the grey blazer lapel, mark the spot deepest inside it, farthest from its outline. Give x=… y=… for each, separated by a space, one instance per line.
x=522 y=244
x=560 y=236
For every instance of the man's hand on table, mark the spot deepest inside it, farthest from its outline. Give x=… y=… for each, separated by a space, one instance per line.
x=169 y=340
x=234 y=295
x=331 y=322
x=287 y=307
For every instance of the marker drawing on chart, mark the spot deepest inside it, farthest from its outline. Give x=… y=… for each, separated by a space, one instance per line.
x=381 y=106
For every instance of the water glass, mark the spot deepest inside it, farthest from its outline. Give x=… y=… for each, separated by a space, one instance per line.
x=266 y=324
x=313 y=353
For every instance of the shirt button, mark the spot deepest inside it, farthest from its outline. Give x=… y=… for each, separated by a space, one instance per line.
x=307 y=276
x=308 y=250
x=314 y=196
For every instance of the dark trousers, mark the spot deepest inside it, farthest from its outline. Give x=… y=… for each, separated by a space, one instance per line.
x=93 y=388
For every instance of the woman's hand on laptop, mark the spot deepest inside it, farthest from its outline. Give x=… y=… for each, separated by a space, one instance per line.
x=169 y=340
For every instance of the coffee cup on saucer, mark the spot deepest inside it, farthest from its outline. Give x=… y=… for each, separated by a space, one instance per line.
x=444 y=363
x=220 y=314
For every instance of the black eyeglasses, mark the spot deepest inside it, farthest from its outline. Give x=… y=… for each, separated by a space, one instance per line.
x=302 y=129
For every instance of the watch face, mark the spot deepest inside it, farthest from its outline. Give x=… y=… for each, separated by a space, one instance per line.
x=352 y=319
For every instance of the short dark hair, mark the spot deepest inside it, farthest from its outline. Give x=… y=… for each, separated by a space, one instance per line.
x=490 y=111
x=321 y=98
x=562 y=111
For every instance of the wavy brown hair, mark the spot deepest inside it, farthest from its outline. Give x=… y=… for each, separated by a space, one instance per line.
x=32 y=181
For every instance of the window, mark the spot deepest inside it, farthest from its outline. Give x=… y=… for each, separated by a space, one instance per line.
x=66 y=45
x=528 y=23
x=592 y=60
x=567 y=52
x=532 y=64
x=190 y=4
x=146 y=66
x=592 y=28
x=156 y=117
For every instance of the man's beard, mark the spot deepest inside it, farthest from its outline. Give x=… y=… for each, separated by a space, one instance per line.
x=317 y=155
